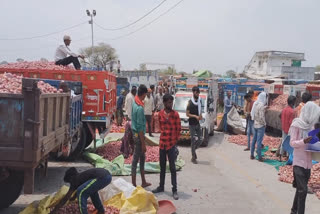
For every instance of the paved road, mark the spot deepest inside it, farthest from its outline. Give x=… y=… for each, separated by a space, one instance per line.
x=227 y=182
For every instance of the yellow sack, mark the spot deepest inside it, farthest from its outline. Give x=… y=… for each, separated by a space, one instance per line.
x=42 y=206
x=140 y=201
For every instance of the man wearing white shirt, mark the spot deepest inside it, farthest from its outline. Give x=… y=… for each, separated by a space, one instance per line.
x=129 y=101
x=64 y=56
x=148 y=110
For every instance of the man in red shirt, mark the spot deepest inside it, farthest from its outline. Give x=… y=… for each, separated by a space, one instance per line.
x=287 y=116
x=170 y=126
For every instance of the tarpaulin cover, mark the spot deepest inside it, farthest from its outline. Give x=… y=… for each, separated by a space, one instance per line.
x=117 y=165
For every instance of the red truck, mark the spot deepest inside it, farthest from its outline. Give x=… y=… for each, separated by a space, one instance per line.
x=99 y=95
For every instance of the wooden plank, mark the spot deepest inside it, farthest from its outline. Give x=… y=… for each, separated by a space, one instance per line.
x=11 y=154
x=29 y=89
x=57 y=111
x=50 y=115
x=28 y=181
x=41 y=110
x=45 y=118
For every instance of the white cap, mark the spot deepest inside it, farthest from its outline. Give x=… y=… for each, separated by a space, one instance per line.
x=66 y=37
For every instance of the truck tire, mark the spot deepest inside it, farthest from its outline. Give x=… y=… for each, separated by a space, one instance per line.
x=79 y=147
x=205 y=135
x=11 y=188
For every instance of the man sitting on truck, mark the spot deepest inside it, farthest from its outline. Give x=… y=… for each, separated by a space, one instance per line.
x=86 y=184
x=64 y=56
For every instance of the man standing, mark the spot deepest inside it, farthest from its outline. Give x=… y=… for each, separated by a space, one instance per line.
x=120 y=103
x=170 y=126
x=227 y=108
x=159 y=99
x=195 y=115
x=139 y=129
x=64 y=56
x=129 y=101
x=247 y=112
x=148 y=110
x=287 y=116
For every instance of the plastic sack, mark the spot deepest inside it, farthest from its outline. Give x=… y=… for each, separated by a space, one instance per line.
x=235 y=121
x=140 y=201
x=42 y=206
x=116 y=187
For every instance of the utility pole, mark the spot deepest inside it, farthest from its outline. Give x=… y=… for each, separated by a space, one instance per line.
x=91 y=15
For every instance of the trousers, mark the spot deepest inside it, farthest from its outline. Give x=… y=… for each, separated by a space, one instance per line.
x=68 y=60
x=90 y=189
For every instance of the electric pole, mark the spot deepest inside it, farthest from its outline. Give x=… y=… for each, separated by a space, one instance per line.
x=91 y=15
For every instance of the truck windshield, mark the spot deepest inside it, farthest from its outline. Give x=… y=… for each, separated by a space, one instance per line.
x=180 y=103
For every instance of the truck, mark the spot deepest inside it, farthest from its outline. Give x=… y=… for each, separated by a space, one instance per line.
x=135 y=78
x=208 y=106
x=35 y=126
x=99 y=95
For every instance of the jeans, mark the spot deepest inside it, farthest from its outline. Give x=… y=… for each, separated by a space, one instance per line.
x=250 y=130
x=301 y=178
x=225 y=123
x=90 y=189
x=257 y=138
x=68 y=60
x=196 y=139
x=163 y=164
x=137 y=155
x=149 y=118
x=284 y=135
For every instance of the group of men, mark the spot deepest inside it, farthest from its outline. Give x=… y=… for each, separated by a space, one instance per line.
x=296 y=123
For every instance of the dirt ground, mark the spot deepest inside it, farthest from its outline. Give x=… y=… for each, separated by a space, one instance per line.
x=224 y=181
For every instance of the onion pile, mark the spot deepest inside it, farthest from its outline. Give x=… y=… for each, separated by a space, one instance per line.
x=112 y=150
x=12 y=84
x=242 y=140
x=36 y=65
x=279 y=103
x=118 y=129
x=73 y=208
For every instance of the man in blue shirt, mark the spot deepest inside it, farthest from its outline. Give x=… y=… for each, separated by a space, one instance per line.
x=138 y=125
x=227 y=107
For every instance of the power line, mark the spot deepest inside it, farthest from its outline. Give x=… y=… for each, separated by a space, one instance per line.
x=44 y=35
x=128 y=25
x=149 y=23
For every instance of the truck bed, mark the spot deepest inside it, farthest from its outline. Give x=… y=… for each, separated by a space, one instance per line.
x=31 y=126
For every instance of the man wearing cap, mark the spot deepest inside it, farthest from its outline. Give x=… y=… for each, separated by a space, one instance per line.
x=64 y=56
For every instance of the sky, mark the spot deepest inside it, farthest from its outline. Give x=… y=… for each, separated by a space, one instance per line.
x=216 y=35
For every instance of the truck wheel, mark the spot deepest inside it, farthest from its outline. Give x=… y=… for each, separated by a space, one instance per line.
x=11 y=188
x=205 y=135
x=78 y=147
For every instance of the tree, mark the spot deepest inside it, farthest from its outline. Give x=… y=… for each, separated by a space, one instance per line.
x=103 y=55
x=231 y=74
x=3 y=63
x=20 y=60
x=318 y=68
